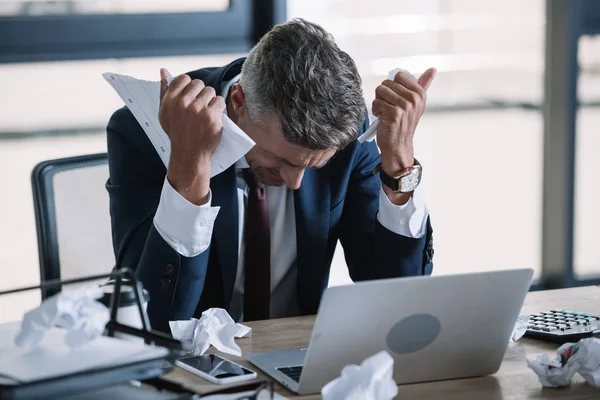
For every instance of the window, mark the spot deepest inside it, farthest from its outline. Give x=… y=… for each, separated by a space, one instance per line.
x=54 y=110
x=480 y=141
x=587 y=186
x=56 y=104
x=71 y=7
x=42 y=30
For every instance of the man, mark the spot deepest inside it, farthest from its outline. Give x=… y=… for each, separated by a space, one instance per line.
x=258 y=239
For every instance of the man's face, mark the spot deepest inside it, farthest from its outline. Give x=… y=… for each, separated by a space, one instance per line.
x=274 y=160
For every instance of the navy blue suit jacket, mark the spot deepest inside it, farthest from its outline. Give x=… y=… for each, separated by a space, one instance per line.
x=338 y=201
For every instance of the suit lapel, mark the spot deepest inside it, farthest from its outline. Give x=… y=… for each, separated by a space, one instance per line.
x=226 y=229
x=312 y=205
x=215 y=76
x=224 y=193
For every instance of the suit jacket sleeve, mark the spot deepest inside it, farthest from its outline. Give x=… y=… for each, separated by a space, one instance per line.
x=371 y=250
x=136 y=178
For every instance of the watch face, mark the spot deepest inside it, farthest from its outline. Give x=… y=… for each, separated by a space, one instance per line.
x=410 y=182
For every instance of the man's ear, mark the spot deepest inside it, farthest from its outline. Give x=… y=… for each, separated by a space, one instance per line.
x=238 y=98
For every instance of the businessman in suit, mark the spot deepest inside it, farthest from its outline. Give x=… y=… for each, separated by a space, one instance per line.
x=258 y=239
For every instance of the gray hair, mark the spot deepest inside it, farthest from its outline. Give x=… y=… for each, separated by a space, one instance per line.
x=298 y=74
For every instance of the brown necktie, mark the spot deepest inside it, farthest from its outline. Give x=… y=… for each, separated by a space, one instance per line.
x=257 y=260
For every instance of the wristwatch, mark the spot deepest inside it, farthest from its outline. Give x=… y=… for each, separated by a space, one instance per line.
x=406 y=181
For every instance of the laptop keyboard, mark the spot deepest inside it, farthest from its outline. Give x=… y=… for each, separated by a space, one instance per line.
x=292 y=372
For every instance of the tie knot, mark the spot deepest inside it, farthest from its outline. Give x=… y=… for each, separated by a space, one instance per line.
x=252 y=180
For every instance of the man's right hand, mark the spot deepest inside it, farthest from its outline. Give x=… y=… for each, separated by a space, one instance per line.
x=191 y=115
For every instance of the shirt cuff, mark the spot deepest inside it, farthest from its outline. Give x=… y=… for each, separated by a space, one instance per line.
x=186 y=227
x=409 y=219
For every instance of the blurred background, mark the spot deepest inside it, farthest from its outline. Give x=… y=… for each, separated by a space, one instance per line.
x=481 y=141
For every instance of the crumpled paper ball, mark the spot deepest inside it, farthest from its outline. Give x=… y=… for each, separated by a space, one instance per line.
x=75 y=309
x=215 y=327
x=520 y=328
x=582 y=357
x=372 y=380
x=371 y=132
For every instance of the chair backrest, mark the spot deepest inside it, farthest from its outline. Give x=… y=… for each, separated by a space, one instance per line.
x=72 y=217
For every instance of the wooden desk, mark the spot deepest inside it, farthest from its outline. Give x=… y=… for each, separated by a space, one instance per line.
x=514 y=380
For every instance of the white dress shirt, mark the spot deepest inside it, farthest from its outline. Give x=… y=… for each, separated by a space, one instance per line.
x=187 y=228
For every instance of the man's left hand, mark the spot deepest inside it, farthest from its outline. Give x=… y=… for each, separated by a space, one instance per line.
x=399 y=105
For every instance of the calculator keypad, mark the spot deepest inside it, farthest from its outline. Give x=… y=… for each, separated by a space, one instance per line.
x=562 y=323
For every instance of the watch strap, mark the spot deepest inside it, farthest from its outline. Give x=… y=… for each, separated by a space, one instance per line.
x=390 y=181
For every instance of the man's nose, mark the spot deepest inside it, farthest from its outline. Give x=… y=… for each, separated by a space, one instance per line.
x=292 y=177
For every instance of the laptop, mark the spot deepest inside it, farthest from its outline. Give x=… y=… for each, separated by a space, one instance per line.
x=435 y=328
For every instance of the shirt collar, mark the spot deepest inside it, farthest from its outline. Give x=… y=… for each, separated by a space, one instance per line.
x=241 y=163
x=225 y=86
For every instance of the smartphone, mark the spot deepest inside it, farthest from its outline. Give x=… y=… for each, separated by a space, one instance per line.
x=216 y=369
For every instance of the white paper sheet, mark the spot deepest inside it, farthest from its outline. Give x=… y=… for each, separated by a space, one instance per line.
x=53 y=357
x=143 y=99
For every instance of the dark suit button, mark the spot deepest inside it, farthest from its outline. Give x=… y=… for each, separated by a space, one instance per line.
x=430 y=251
x=164 y=283
x=169 y=269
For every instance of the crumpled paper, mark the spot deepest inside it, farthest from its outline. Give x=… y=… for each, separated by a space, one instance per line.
x=75 y=309
x=370 y=134
x=372 y=380
x=520 y=328
x=215 y=327
x=582 y=357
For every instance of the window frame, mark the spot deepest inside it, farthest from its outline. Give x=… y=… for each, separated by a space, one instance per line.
x=101 y=36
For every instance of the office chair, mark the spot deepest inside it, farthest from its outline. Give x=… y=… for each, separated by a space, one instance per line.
x=72 y=218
